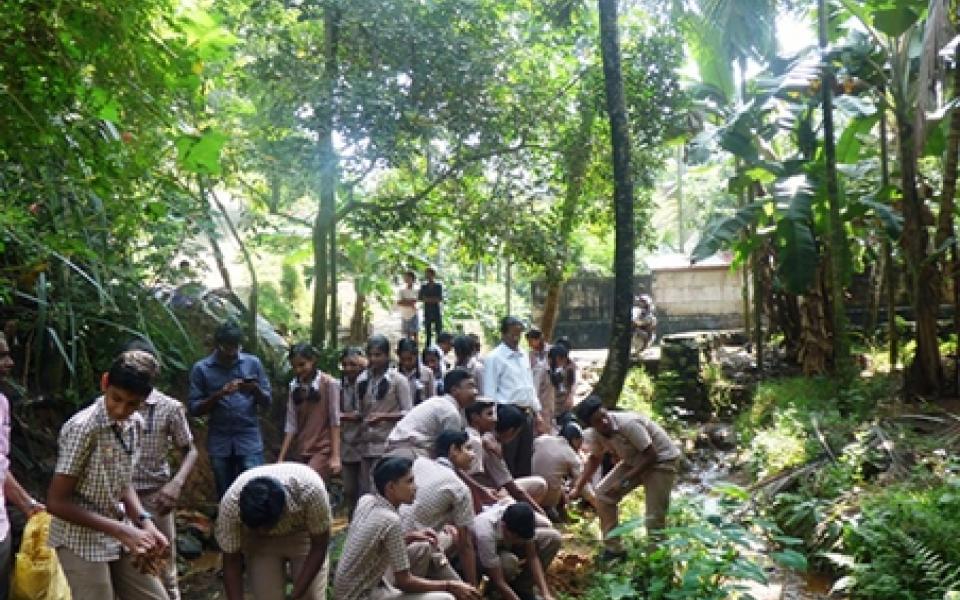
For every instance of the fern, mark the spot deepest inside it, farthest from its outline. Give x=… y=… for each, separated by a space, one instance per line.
x=942 y=576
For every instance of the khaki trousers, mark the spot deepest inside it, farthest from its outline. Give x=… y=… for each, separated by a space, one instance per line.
x=266 y=559
x=106 y=580
x=657 y=482
x=388 y=592
x=167 y=525
x=517 y=571
x=430 y=562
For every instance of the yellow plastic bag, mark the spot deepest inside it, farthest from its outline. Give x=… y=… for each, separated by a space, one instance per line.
x=37 y=574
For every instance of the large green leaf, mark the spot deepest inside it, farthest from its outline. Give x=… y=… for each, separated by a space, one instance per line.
x=895 y=21
x=848 y=148
x=201 y=153
x=723 y=232
x=796 y=241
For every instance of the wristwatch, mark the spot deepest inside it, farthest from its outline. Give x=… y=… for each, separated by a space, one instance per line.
x=143 y=516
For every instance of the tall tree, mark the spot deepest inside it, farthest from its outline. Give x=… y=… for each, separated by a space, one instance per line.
x=618 y=358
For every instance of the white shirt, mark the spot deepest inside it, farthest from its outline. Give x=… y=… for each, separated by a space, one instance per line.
x=407 y=312
x=507 y=378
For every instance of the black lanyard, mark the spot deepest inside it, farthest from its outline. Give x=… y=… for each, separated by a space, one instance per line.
x=128 y=448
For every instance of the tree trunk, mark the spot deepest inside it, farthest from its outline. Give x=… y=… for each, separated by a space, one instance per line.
x=551 y=308
x=211 y=234
x=925 y=375
x=508 y=285
x=888 y=262
x=758 y=291
x=357 y=330
x=680 y=233
x=618 y=358
x=837 y=237
x=334 y=326
x=328 y=182
x=945 y=229
x=577 y=157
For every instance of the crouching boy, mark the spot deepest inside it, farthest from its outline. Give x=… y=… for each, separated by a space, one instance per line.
x=271 y=515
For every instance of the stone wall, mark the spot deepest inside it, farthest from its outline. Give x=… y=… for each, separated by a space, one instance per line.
x=697 y=298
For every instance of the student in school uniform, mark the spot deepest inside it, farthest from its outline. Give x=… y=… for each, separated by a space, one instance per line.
x=165 y=428
x=418 y=376
x=407 y=302
x=99 y=524
x=375 y=545
x=556 y=458
x=648 y=457
x=445 y=343
x=352 y=364
x=270 y=516
x=515 y=545
x=433 y=360
x=313 y=415
x=464 y=358
x=496 y=473
x=384 y=400
x=563 y=379
x=443 y=509
x=416 y=433
x=10 y=488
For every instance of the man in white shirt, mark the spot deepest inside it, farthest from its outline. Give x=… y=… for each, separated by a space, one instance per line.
x=507 y=379
x=407 y=302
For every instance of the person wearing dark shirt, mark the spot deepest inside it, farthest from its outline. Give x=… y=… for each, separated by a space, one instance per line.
x=431 y=294
x=228 y=385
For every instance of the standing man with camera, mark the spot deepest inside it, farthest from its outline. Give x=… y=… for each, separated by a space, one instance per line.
x=228 y=386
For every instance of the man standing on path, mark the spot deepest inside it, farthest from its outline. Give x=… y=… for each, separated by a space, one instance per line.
x=507 y=379
x=228 y=385
x=648 y=457
x=9 y=487
x=431 y=294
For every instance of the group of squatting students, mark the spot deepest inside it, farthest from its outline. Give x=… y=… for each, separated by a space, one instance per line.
x=451 y=472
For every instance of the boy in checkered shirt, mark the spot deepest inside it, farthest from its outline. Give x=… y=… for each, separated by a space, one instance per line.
x=99 y=524
x=165 y=427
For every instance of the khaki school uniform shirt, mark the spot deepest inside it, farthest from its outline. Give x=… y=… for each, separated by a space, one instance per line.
x=442 y=498
x=165 y=425
x=495 y=468
x=396 y=400
x=555 y=460
x=101 y=455
x=350 y=431
x=374 y=544
x=311 y=421
x=426 y=421
x=631 y=435
x=307 y=507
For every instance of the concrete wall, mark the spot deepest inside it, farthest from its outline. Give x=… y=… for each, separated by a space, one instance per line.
x=697 y=298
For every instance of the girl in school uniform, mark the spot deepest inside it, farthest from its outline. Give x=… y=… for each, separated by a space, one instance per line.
x=312 y=429
x=352 y=364
x=418 y=376
x=433 y=360
x=384 y=399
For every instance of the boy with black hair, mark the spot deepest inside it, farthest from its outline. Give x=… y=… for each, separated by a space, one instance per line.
x=509 y=423
x=165 y=427
x=415 y=434
x=431 y=294
x=375 y=544
x=443 y=507
x=229 y=385
x=269 y=516
x=556 y=458
x=515 y=545
x=465 y=359
x=648 y=457
x=99 y=528
x=445 y=343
